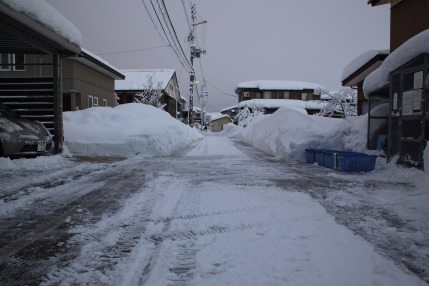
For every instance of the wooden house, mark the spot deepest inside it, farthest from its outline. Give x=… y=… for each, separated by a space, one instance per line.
x=87 y=80
x=26 y=29
x=402 y=81
x=280 y=93
x=139 y=80
x=357 y=70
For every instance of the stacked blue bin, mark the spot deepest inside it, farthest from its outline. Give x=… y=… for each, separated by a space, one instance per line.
x=342 y=161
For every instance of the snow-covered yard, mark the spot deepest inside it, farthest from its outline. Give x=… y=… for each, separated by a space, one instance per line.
x=195 y=208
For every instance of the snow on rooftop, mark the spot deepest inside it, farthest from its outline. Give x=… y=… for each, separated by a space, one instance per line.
x=137 y=79
x=280 y=103
x=47 y=16
x=361 y=60
x=229 y=108
x=412 y=48
x=216 y=116
x=278 y=85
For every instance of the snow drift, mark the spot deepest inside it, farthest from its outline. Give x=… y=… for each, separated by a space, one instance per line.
x=126 y=130
x=287 y=133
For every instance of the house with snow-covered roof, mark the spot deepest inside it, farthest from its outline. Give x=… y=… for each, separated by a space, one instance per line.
x=44 y=70
x=140 y=80
x=274 y=94
x=402 y=83
x=35 y=27
x=357 y=70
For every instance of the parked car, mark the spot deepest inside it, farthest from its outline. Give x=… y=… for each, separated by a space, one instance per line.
x=20 y=137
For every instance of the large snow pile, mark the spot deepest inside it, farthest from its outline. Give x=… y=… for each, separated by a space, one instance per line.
x=126 y=130
x=46 y=15
x=287 y=133
x=412 y=48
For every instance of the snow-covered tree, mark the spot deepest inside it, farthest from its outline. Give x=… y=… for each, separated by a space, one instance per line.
x=247 y=114
x=116 y=99
x=152 y=93
x=342 y=102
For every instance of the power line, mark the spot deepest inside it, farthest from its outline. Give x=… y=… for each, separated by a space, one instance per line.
x=184 y=64
x=151 y=19
x=186 y=14
x=175 y=38
x=133 y=51
x=221 y=91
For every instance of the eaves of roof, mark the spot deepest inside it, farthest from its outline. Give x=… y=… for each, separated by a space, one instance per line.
x=102 y=67
x=21 y=33
x=361 y=73
x=378 y=2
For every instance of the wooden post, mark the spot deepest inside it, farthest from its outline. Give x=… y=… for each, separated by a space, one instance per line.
x=58 y=104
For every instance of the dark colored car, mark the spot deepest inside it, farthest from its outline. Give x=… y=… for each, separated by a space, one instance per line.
x=20 y=137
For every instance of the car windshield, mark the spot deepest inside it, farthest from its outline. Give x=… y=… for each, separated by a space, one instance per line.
x=7 y=112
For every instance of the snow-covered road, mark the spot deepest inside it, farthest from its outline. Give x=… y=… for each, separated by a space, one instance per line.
x=218 y=213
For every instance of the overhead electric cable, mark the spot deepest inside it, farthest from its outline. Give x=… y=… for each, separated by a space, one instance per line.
x=234 y=95
x=171 y=46
x=133 y=51
x=186 y=15
x=151 y=19
x=172 y=31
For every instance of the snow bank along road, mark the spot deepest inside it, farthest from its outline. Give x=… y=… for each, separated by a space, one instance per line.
x=220 y=214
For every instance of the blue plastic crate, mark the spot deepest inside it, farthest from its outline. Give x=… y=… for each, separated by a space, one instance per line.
x=323 y=157
x=310 y=155
x=330 y=159
x=355 y=162
x=319 y=157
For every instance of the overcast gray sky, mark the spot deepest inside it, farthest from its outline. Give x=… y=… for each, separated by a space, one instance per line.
x=306 y=40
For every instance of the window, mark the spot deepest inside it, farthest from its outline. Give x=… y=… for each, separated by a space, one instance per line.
x=95 y=102
x=267 y=94
x=19 y=61
x=304 y=96
x=246 y=94
x=104 y=102
x=4 y=62
x=286 y=95
x=90 y=101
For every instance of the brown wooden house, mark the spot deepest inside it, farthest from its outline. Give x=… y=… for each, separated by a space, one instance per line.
x=402 y=82
x=26 y=31
x=357 y=70
x=280 y=93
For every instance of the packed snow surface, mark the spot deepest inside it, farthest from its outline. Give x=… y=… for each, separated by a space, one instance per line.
x=412 y=48
x=48 y=16
x=278 y=85
x=216 y=212
x=126 y=130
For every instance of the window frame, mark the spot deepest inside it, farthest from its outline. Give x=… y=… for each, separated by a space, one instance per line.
x=6 y=64
x=15 y=67
x=90 y=101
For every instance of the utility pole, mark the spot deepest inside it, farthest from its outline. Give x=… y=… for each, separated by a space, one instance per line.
x=203 y=100
x=195 y=52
